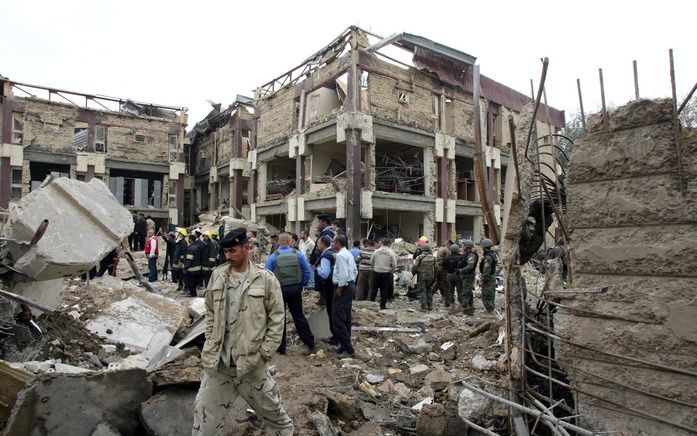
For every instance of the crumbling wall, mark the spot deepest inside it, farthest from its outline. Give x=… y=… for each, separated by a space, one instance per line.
x=275 y=116
x=123 y=129
x=635 y=233
x=49 y=126
x=418 y=110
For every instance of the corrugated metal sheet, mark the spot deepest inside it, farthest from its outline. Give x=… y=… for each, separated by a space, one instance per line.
x=510 y=98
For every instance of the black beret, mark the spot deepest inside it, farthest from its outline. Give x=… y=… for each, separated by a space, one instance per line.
x=234 y=238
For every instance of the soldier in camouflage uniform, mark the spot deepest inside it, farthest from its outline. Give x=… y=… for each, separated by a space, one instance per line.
x=450 y=264
x=466 y=275
x=488 y=270
x=441 y=280
x=425 y=267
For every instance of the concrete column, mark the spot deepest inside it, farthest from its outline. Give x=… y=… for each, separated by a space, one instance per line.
x=353 y=148
x=261 y=180
x=180 y=199
x=299 y=187
x=89 y=175
x=477 y=229
x=442 y=189
x=236 y=187
x=428 y=226
x=252 y=188
x=5 y=181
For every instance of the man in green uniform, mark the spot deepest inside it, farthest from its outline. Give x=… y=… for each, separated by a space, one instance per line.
x=488 y=270
x=466 y=274
x=450 y=265
x=425 y=267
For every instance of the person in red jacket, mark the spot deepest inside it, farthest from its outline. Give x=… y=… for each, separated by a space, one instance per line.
x=151 y=252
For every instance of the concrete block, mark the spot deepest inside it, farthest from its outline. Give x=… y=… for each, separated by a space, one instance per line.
x=440 y=205
x=237 y=164
x=15 y=152
x=176 y=169
x=170 y=412
x=650 y=250
x=86 y=222
x=213 y=174
x=47 y=292
x=134 y=316
x=451 y=211
x=367 y=204
x=354 y=120
x=340 y=205
x=97 y=160
x=652 y=199
x=292 y=209
x=75 y=404
x=252 y=158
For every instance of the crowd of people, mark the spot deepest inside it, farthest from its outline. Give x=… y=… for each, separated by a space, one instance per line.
x=249 y=288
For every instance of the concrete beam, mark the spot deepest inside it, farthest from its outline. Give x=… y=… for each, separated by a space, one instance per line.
x=49 y=157
x=322 y=133
x=272 y=152
x=403 y=202
x=468 y=208
x=149 y=167
x=403 y=134
x=275 y=207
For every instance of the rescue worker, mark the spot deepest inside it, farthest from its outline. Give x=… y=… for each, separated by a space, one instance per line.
x=487 y=268
x=152 y=252
x=425 y=268
x=179 y=255
x=467 y=273
x=209 y=256
x=219 y=257
x=192 y=265
x=451 y=263
x=244 y=323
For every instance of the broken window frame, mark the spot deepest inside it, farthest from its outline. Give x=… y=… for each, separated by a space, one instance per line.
x=100 y=140
x=172 y=141
x=16 y=183
x=17 y=128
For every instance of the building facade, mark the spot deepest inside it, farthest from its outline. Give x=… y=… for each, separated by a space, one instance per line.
x=218 y=156
x=383 y=144
x=136 y=148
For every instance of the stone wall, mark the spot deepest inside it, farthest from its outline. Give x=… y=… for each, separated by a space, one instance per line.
x=275 y=116
x=635 y=233
x=50 y=126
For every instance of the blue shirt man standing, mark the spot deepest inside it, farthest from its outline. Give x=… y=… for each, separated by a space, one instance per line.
x=344 y=279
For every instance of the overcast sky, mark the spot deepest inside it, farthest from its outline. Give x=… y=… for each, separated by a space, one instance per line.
x=184 y=53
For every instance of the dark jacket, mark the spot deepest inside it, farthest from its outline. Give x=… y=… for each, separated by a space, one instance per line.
x=192 y=261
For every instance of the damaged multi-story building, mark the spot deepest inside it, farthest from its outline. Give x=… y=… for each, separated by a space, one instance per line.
x=384 y=144
x=136 y=148
x=219 y=146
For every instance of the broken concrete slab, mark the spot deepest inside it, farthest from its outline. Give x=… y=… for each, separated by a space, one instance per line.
x=86 y=221
x=111 y=397
x=170 y=412
x=48 y=293
x=197 y=307
x=134 y=317
x=184 y=370
x=12 y=381
x=472 y=405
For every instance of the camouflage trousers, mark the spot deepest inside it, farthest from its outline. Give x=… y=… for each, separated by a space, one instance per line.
x=451 y=283
x=441 y=282
x=221 y=387
x=465 y=294
x=488 y=292
x=425 y=287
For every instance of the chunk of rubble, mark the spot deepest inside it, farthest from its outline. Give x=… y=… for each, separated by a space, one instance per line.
x=170 y=412
x=105 y=429
x=419 y=369
x=324 y=425
x=481 y=363
x=76 y=404
x=432 y=420
x=85 y=220
x=472 y=405
x=374 y=379
x=438 y=379
x=133 y=316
